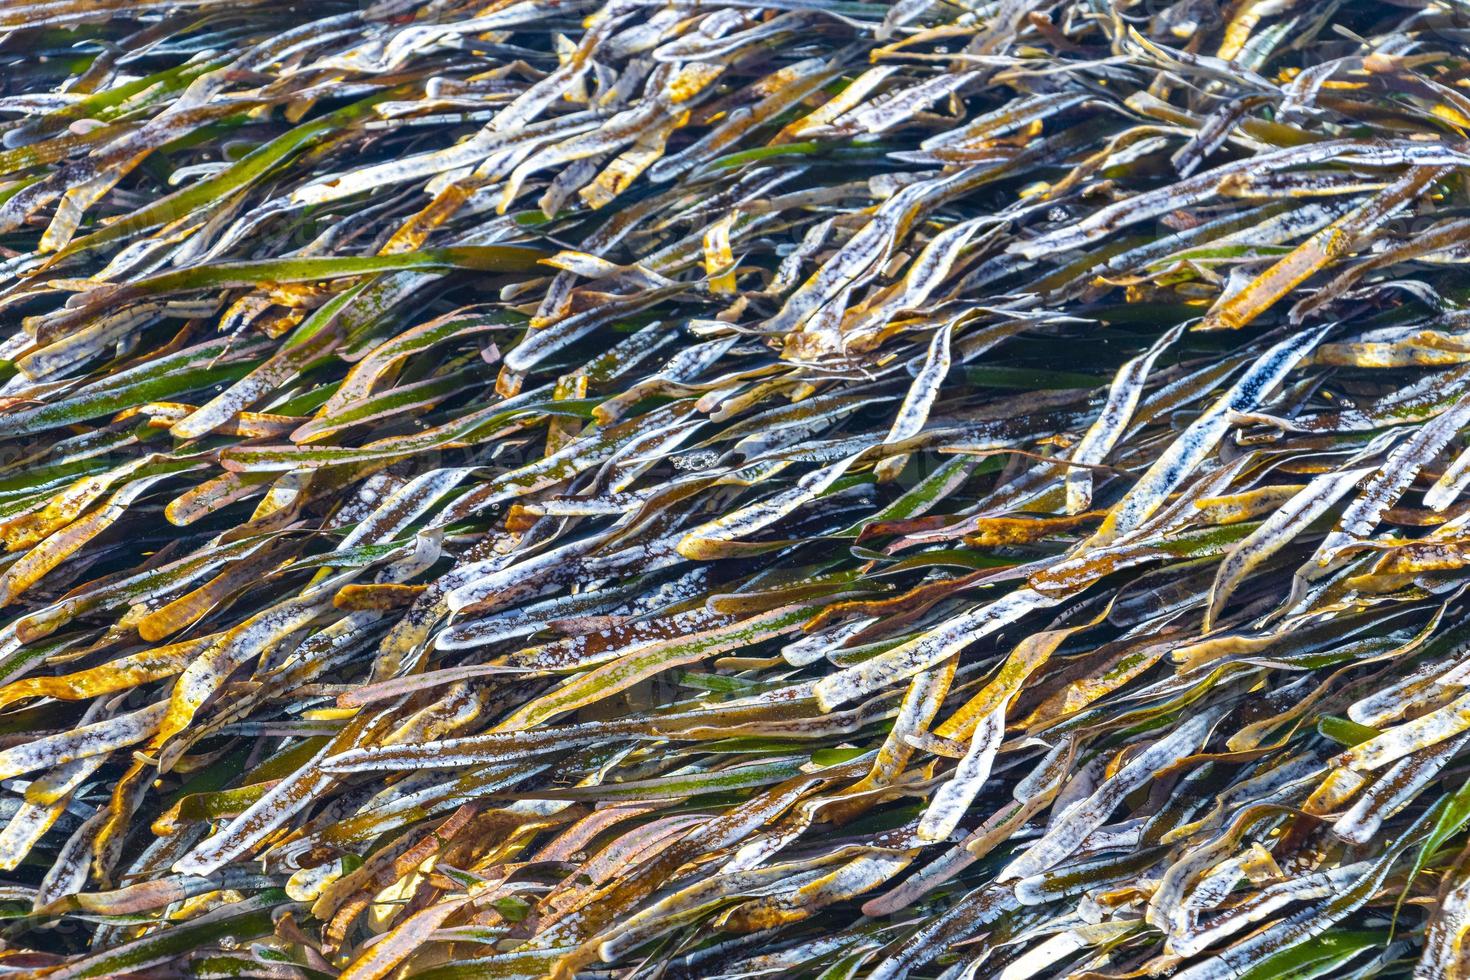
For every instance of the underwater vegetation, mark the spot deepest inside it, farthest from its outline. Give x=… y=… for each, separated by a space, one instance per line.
x=734 y=488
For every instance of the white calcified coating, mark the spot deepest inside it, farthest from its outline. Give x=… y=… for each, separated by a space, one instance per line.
x=1381 y=707
x=921 y=395
x=408 y=502
x=1085 y=816
x=953 y=799
x=1277 y=531
x=29 y=823
x=901 y=105
x=1261 y=906
x=1104 y=433
x=814 y=646
x=1355 y=885
x=1411 y=736
x=1175 y=464
x=97 y=738
x=1395 y=787
x=1209 y=892
x=748 y=520
x=1154 y=203
x=278 y=805
x=1451 y=483
x=859 y=259
x=208 y=673
x=1389 y=483
x=1444 y=941
x=943 y=641
x=799 y=81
